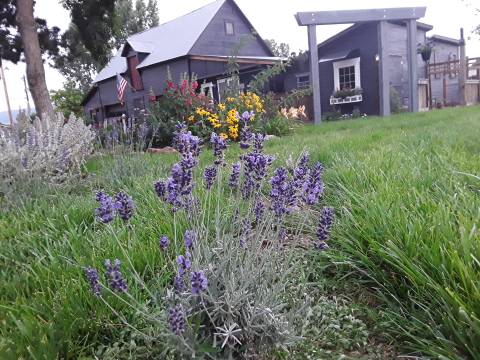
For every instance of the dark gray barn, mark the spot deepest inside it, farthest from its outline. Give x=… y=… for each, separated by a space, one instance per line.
x=199 y=43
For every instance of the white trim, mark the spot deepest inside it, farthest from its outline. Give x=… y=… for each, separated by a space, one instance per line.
x=346 y=63
x=347 y=100
x=306 y=84
x=208 y=86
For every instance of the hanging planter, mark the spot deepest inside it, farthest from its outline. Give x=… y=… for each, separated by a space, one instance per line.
x=425 y=50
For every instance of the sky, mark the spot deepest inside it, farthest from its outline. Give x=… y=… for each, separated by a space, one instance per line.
x=273 y=19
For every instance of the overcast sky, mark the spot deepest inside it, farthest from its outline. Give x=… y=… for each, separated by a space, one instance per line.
x=273 y=19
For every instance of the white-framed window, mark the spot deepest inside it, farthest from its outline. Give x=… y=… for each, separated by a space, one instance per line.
x=207 y=89
x=229 y=28
x=346 y=74
x=303 y=80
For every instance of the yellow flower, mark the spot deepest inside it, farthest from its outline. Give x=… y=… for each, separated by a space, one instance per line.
x=223 y=136
x=233 y=131
x=230 y=99
x=191 y=118
x=232 y=118
x=221 y=106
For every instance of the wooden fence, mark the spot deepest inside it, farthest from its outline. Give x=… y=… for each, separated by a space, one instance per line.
x=468 y=76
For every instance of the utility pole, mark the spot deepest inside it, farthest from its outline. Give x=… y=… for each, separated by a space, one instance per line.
x=2 y=74
x=26 y=94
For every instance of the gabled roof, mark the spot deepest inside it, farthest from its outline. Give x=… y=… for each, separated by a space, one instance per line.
x=420 y=25
x=177 y=36
x=444 y=39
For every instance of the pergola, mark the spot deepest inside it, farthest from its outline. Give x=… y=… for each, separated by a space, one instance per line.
x=410 y=15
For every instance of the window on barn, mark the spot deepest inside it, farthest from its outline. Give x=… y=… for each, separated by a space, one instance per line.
x=346 y=74
x=229 y=28
x=135 y=78
x=207 y=89
x=303 y=81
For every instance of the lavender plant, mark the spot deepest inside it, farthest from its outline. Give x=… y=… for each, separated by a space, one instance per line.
x=52 y=148
x=232 y=271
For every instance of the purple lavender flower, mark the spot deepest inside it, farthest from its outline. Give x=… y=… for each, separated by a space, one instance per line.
x=301 y=171
x=161 y=189
x=246 y=231
x=185 y=143
x=198 y=281
x=325 y=224
x=114 y=277
x=105 y=213
x=178 y=283
x=245 y=135
x=281 y=193
x=258 y=140
x=184 y=264
x=282 y=234
x=163 y=242
x=177 y=190
x=255 y=169
x=219 y=146
x=92 y=276
x=176 y=320
x=247 y=115
x=124 y=206
x=234 y=176
x=209 y=176
x=190 y=238
x=258 y=209
x=321 y=246
x=313 y=186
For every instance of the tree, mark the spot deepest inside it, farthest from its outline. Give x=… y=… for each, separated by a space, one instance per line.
x=33 y=57
x=152 y=11
x=68 y=100
x=96 y=30
x=10 y=38
x=278 y=49
x=94 y=22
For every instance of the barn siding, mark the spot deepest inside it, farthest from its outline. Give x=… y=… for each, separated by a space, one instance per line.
x=214 y=41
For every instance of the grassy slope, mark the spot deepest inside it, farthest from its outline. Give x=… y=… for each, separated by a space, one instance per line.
x=408 y=228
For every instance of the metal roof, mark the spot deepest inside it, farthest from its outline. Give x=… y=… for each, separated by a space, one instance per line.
x=445 y=39
x=173 y=39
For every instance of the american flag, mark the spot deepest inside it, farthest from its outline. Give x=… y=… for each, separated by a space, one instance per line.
x=121 y=86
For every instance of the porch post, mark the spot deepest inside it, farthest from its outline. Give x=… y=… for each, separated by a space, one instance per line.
x=462 y=79
x=412 y=64
x=383 y=76
x=314 y=73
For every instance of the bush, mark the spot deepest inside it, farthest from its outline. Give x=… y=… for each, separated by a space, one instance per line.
x=47 y=149
x=232 y=253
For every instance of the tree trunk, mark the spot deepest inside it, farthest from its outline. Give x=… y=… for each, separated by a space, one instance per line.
x=33 y=58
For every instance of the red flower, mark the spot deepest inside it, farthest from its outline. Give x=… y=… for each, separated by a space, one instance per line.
x=170 y=84
x=194 y=85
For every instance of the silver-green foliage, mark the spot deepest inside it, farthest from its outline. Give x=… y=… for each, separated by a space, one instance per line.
x=48 y=148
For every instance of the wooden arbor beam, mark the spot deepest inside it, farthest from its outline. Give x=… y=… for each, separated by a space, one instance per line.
x=410 y=14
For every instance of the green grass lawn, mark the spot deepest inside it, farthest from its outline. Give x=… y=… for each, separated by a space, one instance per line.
x=405 y=248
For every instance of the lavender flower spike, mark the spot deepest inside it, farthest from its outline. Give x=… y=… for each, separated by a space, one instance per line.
x=105 y=213
x=313 y=186
x=161 y=189
x=209 y=176
x=124 y=205
x=219 y=146
x=163 y=242
x=234 y=176
x=324 y=227
x=199 y=282
x=92 y=276
x=176 y=320
x=115 y=280
x=190 y=238
x=184 y=264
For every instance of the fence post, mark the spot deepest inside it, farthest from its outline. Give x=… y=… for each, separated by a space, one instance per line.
x=462 y=80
